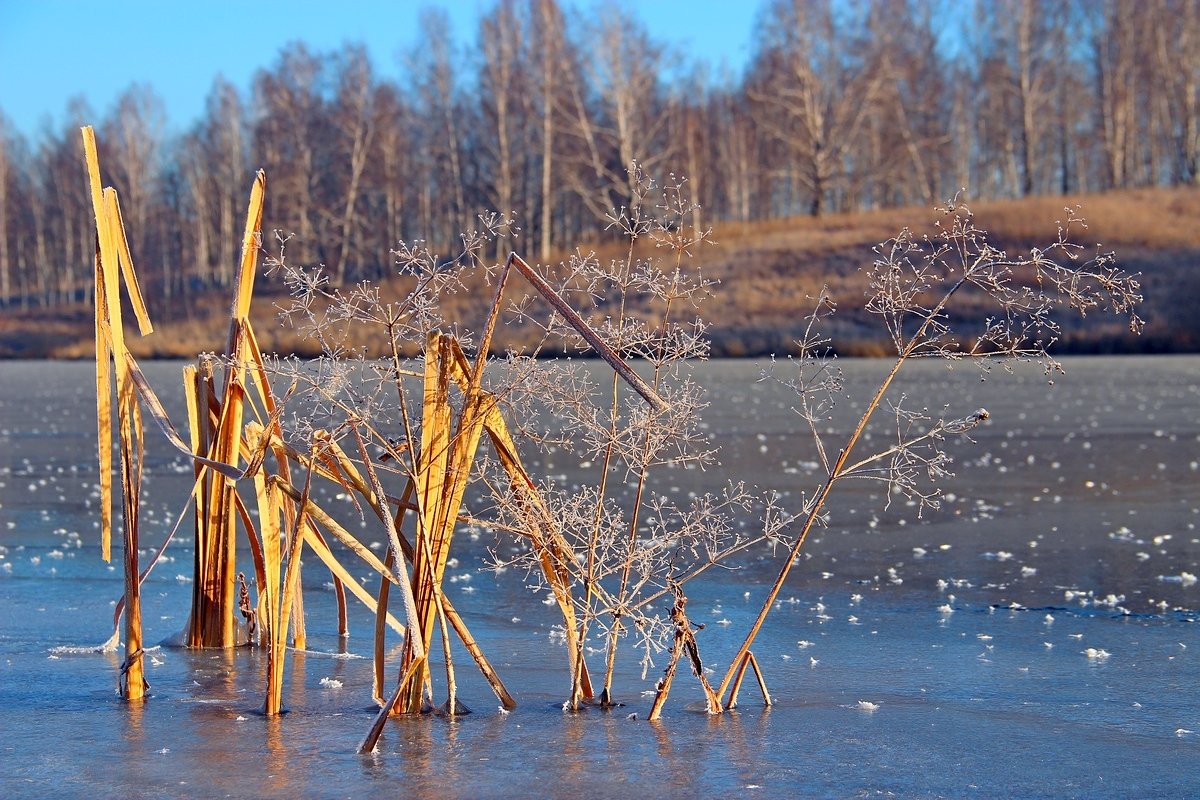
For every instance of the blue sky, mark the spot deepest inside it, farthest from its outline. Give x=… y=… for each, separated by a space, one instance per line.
x=52 y=50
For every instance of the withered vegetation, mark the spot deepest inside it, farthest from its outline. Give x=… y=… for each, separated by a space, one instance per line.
x=427 y=432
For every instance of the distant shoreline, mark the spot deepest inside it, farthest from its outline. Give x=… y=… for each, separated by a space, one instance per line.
x=765 y=272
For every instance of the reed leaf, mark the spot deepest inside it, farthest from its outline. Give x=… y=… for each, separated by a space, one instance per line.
x=104 y=414
x=340 y=533
x=132 y=287
x=322 y=551
x=105 y=258
x=159 y=415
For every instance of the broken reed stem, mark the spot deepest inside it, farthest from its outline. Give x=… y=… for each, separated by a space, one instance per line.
x=133 y=685
x=590 y=336
x=664 y=684
x=113 y=262
x=762 y=682
x=339 y=590
x=219 y=530
x=684 y=642
x=198 y=391
x=381 y=626
x=372 y=738
x=451 y=685
x=748 y=660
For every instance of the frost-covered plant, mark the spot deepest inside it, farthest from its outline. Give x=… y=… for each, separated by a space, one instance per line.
x=621 y=543
x=617 y=552
x=634 y=541
x=917 y=284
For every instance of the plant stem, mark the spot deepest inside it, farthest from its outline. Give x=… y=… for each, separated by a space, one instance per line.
x=835 y=473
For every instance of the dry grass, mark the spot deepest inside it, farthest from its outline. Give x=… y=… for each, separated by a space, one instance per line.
x=767 y=272
x=1137 y=218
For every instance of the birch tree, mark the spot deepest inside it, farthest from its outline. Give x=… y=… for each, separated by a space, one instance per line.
x=814 y=91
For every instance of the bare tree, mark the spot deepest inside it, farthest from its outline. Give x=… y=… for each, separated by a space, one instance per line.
x=285 y=140
x=443 y=199
x=907 y=141
x=686 y=112
x=5 y=263
x=1024 y=36
x=1116 y=60
x=549 y=39
x=40 y=210
x=626 y=123
x=1174 y=31
x=505 y=92
x=354 y=125
x=134 y=133
x=226 y=143
x=814 y=92
x=393 y=174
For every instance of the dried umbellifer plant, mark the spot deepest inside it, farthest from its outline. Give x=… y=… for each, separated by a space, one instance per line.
x=637 y=539
x=916 y=286
x=589 y=551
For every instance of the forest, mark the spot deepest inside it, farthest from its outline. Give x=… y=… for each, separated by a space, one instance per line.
x=842 y=107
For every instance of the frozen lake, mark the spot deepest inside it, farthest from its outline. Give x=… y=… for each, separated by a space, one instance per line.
x=1037 y=636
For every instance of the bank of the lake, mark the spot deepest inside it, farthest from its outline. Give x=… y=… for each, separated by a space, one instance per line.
x=765 y=275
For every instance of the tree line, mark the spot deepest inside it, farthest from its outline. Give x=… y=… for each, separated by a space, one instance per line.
x=842 y=106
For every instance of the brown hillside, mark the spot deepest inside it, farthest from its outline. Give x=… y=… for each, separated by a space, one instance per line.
x=766 y=273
